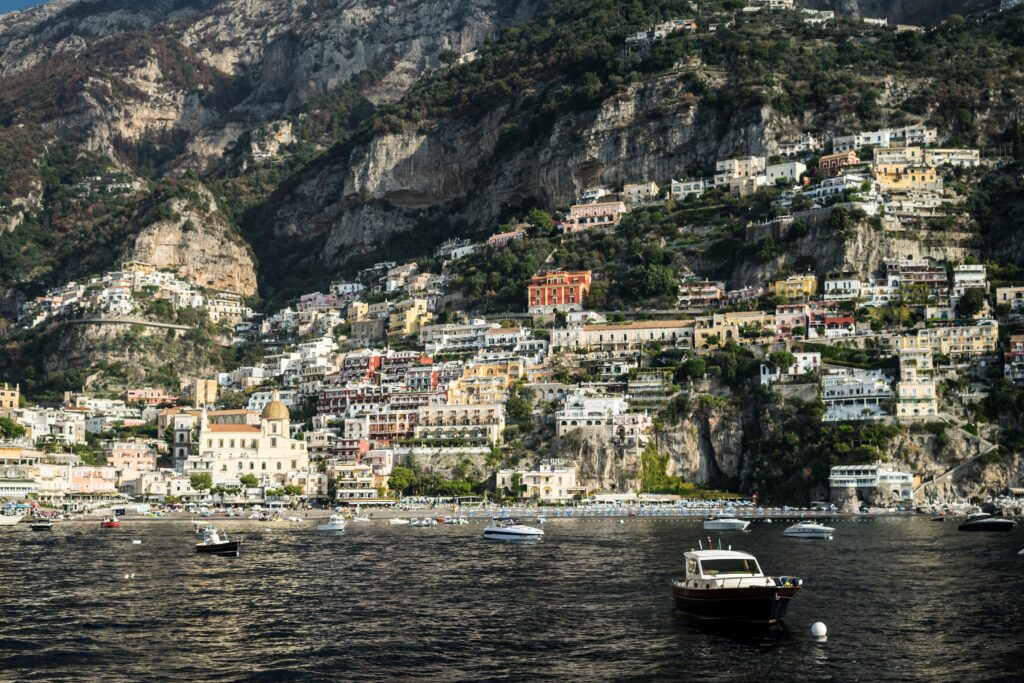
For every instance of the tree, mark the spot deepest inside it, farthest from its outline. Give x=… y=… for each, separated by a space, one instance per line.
x=249 y=481
x=201 y=481
x=517 y=487
x=971 y=303
x=9 y=429
x=781 y=360
x=540 y=220
x=695 y=367
x=402 y=479
x=292 y=490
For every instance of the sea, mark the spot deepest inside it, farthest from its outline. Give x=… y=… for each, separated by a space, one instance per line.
x=903 y=598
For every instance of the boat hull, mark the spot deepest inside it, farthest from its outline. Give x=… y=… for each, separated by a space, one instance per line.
x=330 y=527
x=41 y=527
x=10 y=520
x=726 y=526
x=499 y=535
x=225 y=549
x=762 y=605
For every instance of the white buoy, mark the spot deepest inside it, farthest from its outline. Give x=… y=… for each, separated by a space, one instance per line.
x=136 y=541
x=818 y=630
x=622 y=521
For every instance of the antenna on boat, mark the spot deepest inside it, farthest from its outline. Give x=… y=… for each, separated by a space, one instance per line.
x=699 y=544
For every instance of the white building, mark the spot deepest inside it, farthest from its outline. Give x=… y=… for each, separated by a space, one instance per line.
x=968 y=276
x=842 y=288
x=547 y=483
x=680 y=189
x=230 y=451
x=852 y=395
x=259 y=399
x=791 y=171
x=847 y=143
x=871 y=478
x=582 y=411
x=624 y=337
x=805 y=363
x=806 y=143
x=456 y=337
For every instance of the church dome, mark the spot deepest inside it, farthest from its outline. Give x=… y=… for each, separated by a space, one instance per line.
x=275 y=410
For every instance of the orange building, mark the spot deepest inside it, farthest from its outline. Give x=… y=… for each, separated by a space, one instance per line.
x=558 y=291
x=830 y=164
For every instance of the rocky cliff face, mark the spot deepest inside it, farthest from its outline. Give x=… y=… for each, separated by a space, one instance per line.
x=707 y=446
x=186 y=71
x=382 y=185
x=192 y=238
x=862 y=247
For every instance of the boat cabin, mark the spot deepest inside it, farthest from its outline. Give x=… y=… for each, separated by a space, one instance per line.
x=722 y=569
x=713 y=564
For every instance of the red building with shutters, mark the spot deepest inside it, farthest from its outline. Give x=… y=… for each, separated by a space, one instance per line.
x=558 y=291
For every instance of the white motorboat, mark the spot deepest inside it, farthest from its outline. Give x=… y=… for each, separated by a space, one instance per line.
x=511 y=530
x=10 y=520
x=394 y=521
x=456 y=520
x=726 y=524
x=334 y=523
x=426 y=521
x=809 y=530
x=361 y=518
x=216 y=542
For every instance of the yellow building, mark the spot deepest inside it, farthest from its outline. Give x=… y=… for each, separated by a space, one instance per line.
x=357 y=310
x=902 y=177
x=10 y=397
x=407 y=317
x=479 y=422
x=954 y=340
x=486 y=381
x=200 y=392
x=740 y=326
x=794 y=287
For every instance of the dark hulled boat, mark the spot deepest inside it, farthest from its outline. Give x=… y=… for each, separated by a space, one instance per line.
x=726 y=585
x=982 y=521
x=215 y=542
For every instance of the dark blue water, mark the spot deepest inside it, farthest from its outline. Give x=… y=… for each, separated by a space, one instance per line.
x=904 y=599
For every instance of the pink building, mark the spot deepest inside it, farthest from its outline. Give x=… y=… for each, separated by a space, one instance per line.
x=316 y=300
x=381 y=460
x=130 y=459
x=502 y=239
x=89 y=479
x=150 y=396
x=598 y=215
x=790 y=316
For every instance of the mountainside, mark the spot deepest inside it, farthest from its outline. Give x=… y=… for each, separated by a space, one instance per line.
x=328 y=129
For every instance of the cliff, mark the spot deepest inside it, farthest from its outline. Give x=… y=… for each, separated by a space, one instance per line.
x=183 y=74
x=189 y=236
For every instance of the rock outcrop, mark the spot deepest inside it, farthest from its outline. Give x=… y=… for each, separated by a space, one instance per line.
x=197 y=243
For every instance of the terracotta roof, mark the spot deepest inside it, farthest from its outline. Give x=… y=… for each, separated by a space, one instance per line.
x=239 y=411
x=235 y=429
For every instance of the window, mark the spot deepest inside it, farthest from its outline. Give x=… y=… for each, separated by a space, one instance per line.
x=730 y=566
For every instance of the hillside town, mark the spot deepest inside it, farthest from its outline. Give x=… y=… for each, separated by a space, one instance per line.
x=384 y=370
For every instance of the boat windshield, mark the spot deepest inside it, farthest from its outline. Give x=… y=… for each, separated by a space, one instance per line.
x=730 y=566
